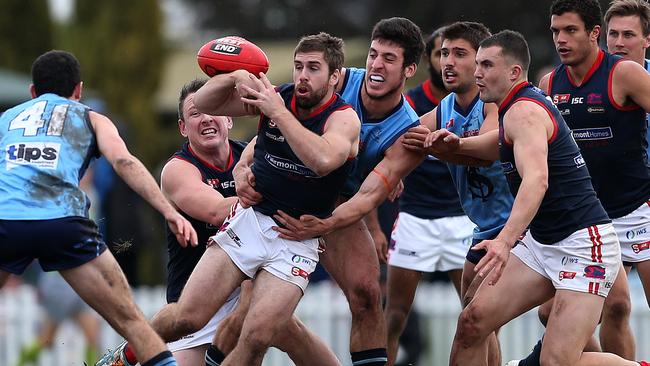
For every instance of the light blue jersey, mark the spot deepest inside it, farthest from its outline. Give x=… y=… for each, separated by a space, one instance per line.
x=377 y=135
x=484 y=192
x=47 y=145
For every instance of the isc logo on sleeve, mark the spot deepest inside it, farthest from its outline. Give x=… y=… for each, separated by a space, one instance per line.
x=44 y=155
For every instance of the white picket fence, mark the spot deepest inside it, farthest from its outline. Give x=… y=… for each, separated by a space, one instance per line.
x=323 y=309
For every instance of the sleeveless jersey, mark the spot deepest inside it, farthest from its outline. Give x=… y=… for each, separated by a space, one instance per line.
x=429 y=192
x=646 y=64
x=183 y=260
x=612 y=138
x=484 y=192
x=421 y=98
x=377 y=135
x=570 y=202
x=283 y=180
x=47 y=144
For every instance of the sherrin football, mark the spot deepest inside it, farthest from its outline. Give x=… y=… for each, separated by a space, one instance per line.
x=229 y=54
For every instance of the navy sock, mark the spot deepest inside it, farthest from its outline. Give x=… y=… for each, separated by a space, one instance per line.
x=214 y=356
x=161 y=359
x=533 y=358
x=371 y=357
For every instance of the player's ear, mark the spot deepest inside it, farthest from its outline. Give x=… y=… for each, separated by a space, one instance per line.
x=335 y=77
x=32 y=90
x=229 y=122
x=595 y=32
x=182 y=127
x=646 y=41
x=410 y=70
x=76 y=93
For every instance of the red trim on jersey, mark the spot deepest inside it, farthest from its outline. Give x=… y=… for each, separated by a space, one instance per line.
x=209 y=165
x=555 y=125
x=631 y=107
x=648 y=203
x=410 y=100
x=428 y=92
x=592 y=70
x=315 y=112
x=512 y=93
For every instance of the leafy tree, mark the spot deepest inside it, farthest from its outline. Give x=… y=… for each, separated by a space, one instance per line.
x=25 y=32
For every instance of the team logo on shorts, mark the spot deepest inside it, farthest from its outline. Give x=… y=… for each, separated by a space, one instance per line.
x=564 y=275
x=298 y=272
x=640 y=247
x=298 y=259
x=595 y=272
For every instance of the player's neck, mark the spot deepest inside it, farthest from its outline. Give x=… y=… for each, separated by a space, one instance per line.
x=580 y=71
x=218 y=156
x=466 y=98
x=377 y=108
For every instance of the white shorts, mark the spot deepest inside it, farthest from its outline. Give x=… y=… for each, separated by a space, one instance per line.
x=206 y=334
x=586 y=261
x=633 y=232
x=251 y=243
x=430 y=245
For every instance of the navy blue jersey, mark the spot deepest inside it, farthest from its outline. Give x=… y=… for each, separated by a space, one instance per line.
x=282 y=178
x=429 y=192
x=570 y=202
x=646 y=65
x=421 y=98
x=612 y=138
x=183 y=260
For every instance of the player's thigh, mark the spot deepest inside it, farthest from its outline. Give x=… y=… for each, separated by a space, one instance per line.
x=350 y=257
x=643 y=269
x=103 y=286
x=572 y=322
x=273 y=303
x=401 y=286
x=192 y=356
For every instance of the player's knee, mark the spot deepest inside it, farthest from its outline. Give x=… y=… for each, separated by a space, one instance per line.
x=228 y=333
x=286 y=339
x=396 y=319
x=543 y=314
x=365 y=297
x=189 y=323
x=258 y=339
x=471 y=326
x=617 y=309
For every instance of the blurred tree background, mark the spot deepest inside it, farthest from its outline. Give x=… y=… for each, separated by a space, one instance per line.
x=135 y=55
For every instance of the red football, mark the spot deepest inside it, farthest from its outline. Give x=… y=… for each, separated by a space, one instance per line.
x=229 y=54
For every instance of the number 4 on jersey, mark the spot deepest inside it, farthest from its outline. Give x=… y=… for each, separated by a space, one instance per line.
x=31 y=120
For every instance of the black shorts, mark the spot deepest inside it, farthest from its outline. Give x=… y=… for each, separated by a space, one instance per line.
x=475 y=256
x=58 y=244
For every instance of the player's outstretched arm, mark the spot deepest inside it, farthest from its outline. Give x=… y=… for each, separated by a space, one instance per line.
x=221 y=95
x=183 y=185
x=244 y=178
x=136 y=175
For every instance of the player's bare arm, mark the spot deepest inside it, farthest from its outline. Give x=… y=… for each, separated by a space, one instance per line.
x=244 y=178
x=396 y=164
x=631 y=85
x=182 y=184
x=221 y=95
x=528 y=130
x=544 y=81
x=136 y=175
x=322 y=154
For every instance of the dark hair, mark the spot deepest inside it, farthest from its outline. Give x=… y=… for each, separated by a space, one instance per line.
x=623 y=8
x=430 y=42
x=404 y=33
x=588 y=10
x=330 y=46
x=56 y=72
x=188 y=89
x=512 y=44
x=472 y=32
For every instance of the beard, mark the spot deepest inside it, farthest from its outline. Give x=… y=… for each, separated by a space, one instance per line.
x=312 y=100
x=436 y=78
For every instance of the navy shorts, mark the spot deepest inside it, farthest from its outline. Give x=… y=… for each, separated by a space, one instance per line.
x=58 y=244
x=475 y=256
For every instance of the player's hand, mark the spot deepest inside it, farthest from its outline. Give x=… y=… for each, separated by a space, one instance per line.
x=306 y=227
x=414 y=138
x=442 y=141
x=397 y=191
x=245 y=187
x=381 y=245
x=182 y=228
x=498 y=252
x=263 y=96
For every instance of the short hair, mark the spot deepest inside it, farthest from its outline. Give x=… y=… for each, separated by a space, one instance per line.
x=430 y=42
x=513 y=44
x=56 y=72
x=330 y=46
x=472 y=32
x=588 y=10
x=623 y=8
x=186 y=90
x=404 y=33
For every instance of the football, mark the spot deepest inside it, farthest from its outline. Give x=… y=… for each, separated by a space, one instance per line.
x=229 y=54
